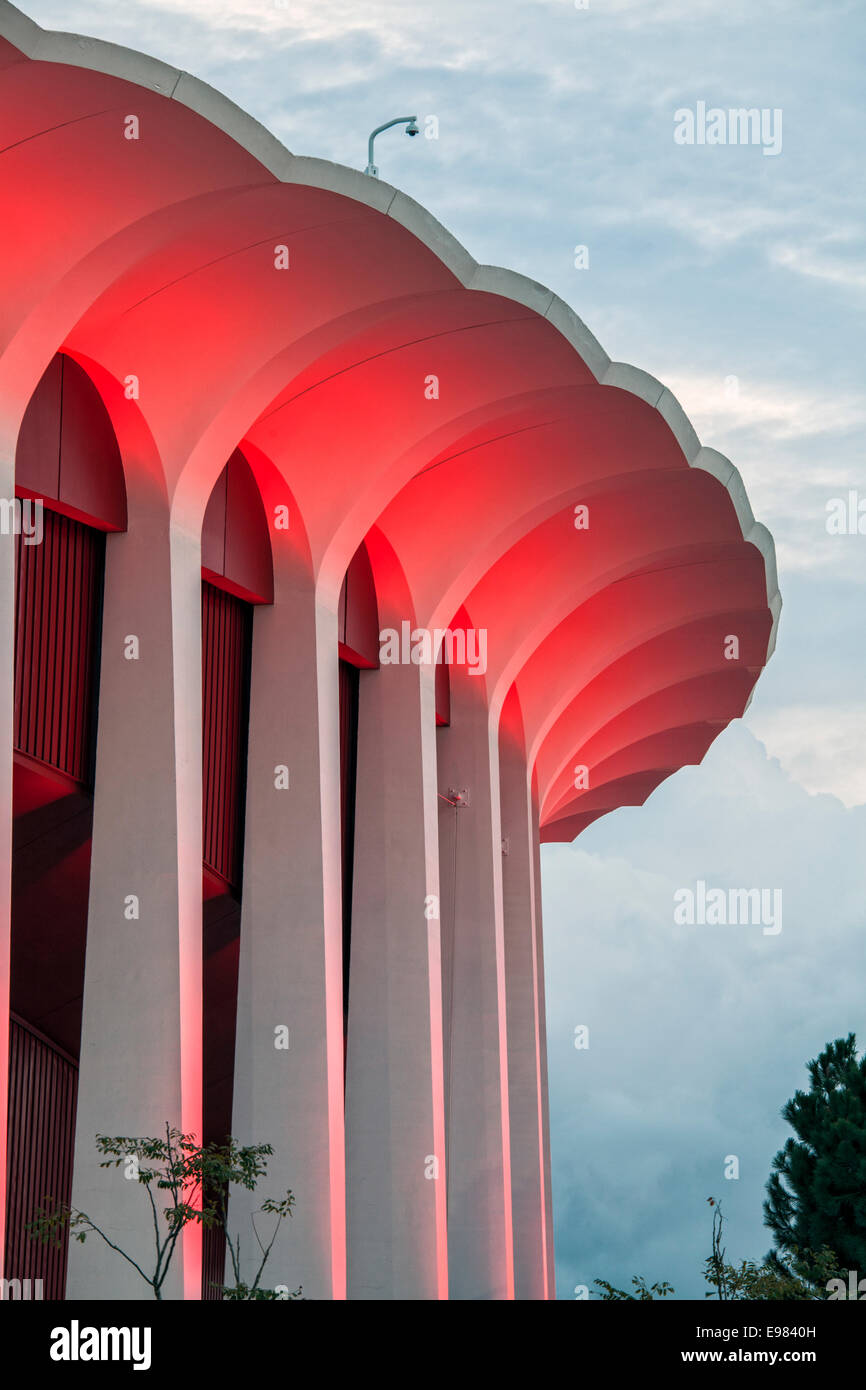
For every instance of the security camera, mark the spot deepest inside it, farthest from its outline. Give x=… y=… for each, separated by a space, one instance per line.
x=411 y=124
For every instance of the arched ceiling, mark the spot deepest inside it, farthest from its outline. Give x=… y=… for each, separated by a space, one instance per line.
x=463 y=410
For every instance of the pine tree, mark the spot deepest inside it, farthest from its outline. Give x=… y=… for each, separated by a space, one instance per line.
x=816 y=1194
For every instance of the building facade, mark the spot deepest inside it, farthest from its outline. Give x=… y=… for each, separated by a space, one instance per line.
x=339 y=573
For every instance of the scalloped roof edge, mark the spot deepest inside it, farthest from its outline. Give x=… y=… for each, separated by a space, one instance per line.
x=48 y=45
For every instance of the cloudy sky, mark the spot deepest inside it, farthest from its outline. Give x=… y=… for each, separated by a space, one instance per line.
x=706 y=263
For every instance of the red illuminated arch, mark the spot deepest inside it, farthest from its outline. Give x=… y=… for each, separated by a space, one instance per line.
x=67 y=450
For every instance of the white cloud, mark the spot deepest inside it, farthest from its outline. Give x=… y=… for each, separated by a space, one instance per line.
x=821 y=746
x=710 y=221
x=272 y=17
x=796 y=449
x=720 y=404
x=805 y=260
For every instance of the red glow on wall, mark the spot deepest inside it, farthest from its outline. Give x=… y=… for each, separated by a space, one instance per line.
x=226 y=637
x=67 y=450
x=42 y=1087
x=58 y=595
x=235 y=541
x=357 y=613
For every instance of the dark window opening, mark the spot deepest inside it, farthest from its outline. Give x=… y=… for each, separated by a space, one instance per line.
x=58 y=622
x=349 y=689
x=226 y=654
x=58 y=612
x=226 y=644
x=43 y=1081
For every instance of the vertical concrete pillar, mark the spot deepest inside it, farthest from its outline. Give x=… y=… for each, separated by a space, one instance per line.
x=479 y=1179
x=9 y=421
x=549 y=1253
x=288 y=1088
x=140 y=1064
x=395 y=1116
x=524 y=997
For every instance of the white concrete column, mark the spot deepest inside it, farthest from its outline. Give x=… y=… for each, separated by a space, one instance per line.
x=480 y=1250
x=549 y=1252
x=395 y=1115
x=524 y=998
x=8 y=437
x=141 y=1030
x=288 y=1088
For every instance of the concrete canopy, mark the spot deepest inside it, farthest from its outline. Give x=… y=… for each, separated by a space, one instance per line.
x=611 y=639
x=229 y=299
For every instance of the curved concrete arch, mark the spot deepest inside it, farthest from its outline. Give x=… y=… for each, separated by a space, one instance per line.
x=564 y=798
x=217 y=366
x=127 y=181
x=615 y=620
x=486 y=493
x=139 y=454
x=342 y=419
x=115 y=305
x=563 y=743
x=54 y=309
x=650 y=759
x=687 y=650
x=714 y=698
x=674 y=699
x=644 y=534
x=248 y=415
x=655 y=752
